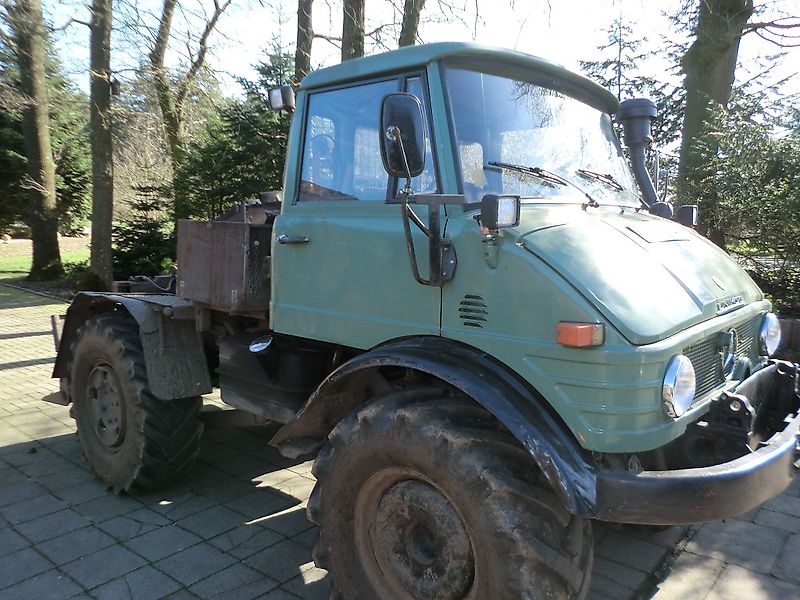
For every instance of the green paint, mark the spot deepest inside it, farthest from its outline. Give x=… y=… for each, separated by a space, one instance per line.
x=654 y=284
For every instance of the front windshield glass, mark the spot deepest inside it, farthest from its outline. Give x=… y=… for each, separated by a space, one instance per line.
x=515 y=137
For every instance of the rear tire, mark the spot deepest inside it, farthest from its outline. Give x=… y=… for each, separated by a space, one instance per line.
x=129 y=438
x=424 y=496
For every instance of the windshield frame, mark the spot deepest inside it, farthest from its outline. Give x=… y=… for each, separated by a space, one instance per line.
x=569 y=88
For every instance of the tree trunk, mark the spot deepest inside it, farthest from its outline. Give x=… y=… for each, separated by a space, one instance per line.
x=102 y=143
x=709 y=65
x=411 y=13
x=305 y=37
x=352 y=29
x=30 y=34
x=172 y=93
x=170 y=115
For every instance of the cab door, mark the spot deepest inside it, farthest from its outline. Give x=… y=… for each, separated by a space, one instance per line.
x=340 y=268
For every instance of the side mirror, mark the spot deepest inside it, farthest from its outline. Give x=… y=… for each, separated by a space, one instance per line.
x=282 y=98
x=687 y=215
x=499 y=212
x=402 y=133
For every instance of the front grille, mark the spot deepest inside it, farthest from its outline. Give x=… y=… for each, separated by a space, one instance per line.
x=707 y=365
x=706 y=357
x=748 y=339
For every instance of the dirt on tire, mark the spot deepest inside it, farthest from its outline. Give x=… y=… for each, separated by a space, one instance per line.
x=417 y=487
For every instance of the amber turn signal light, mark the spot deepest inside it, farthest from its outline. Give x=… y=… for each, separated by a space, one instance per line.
x=580 y=335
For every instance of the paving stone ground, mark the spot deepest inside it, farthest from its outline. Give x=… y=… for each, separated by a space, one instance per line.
x=235 y=527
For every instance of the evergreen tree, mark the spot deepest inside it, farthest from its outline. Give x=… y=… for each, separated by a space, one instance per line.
x=754 y=176
x=242 y=151
x=69 y=140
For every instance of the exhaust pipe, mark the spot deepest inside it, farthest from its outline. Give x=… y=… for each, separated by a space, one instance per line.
x=636 y=116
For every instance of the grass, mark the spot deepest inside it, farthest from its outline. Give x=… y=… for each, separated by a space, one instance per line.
x=16 y=255
x=14 y=267
x=15 y=263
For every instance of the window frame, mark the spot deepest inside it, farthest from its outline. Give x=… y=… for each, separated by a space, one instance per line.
x=538 y=78
x=305 y=127
x=392 y=192
x=402 y=79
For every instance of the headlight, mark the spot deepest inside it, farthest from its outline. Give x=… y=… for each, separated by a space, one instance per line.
x=677 y=392
x=770 y=334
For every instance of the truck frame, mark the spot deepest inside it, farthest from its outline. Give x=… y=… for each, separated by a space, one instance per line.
x=474 y=314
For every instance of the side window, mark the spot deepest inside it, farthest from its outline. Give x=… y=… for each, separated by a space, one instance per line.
x=341 y=150
x=426 y=181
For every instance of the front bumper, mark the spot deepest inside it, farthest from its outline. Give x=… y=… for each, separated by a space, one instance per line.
x=719 y=491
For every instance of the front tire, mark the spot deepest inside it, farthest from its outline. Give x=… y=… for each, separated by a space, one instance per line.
x=424 y=496
x=130 y=438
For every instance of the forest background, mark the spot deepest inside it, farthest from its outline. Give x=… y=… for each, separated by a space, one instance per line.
x=118 y=117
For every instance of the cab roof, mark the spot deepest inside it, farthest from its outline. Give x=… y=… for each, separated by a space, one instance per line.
x=419 y=56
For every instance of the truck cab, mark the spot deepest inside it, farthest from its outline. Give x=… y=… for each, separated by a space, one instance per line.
x=476 y=317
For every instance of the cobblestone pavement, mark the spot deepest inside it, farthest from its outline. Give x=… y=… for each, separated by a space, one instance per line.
x=236 y=527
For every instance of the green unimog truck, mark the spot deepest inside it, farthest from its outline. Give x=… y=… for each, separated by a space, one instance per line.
x=471 y=307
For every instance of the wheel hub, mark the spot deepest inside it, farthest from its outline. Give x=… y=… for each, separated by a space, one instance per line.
x=105 y=406
x=419 y=540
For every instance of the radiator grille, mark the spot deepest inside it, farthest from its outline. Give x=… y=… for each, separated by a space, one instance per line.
x=706 y=357
x=472 y=311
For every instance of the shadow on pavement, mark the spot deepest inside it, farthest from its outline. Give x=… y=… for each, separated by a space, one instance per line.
x=234 y=527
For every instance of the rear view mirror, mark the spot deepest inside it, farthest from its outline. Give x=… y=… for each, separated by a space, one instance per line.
x=687 y=215
x=402 y=134
x=282 y=98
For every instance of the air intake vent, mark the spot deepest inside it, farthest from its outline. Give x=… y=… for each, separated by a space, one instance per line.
x=472 y=311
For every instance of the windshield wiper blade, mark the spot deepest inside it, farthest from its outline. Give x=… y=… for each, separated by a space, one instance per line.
x=543 y=174
x=606 y=178
x=547 y=176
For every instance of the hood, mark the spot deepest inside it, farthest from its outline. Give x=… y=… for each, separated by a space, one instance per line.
x=648 y=276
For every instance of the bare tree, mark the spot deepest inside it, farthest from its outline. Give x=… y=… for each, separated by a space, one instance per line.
x=102 y=142
x=24 y=18
x=411 y=14
x=352 y=29
x=305 y=38
x=173 y=91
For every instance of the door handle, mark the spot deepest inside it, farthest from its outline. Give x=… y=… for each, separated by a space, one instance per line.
x=285 y=239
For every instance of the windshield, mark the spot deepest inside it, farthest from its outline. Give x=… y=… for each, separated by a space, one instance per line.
x=507 y=131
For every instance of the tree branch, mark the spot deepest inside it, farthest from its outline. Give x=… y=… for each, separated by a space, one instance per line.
x=333 y=40
x=781 y=44
x=162 y=37
x=199 y=60
x=776 y=24
x=66 y=25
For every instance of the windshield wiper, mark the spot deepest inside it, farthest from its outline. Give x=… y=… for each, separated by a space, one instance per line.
x=606 y=178
x=546 y=176
x=543 y=174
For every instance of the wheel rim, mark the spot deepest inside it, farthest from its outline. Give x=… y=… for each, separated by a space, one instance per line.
x=105 y=406
x=410 y=537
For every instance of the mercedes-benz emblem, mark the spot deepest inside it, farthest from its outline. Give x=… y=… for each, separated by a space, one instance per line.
x=730 y=344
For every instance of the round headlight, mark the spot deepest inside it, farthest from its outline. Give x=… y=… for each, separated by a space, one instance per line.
x=677 y=392
x=770 y=334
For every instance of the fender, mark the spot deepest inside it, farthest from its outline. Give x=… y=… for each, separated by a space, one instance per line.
x=518 y=407
x=173 y=351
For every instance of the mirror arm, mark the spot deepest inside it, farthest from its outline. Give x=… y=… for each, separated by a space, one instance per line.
x=418 y=222
x=412 y=253
x=431 y=232
x=395 y=133
x=435 y=246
